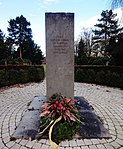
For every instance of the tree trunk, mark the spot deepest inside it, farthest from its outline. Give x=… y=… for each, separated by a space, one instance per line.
x=20 y=54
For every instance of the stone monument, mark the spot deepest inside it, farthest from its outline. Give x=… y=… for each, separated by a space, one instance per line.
x=60 y=53
x=60 y=79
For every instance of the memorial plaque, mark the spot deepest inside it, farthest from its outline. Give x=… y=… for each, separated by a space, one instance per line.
x=60 y=53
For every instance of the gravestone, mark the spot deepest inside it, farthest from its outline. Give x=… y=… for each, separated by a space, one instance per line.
x=60 y=53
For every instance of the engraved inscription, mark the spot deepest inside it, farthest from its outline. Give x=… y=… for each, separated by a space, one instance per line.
x=60 y=45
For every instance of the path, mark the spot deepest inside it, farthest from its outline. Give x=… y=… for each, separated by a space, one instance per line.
x=107 y=102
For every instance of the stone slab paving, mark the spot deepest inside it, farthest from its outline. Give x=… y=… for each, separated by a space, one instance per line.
x=107 y=102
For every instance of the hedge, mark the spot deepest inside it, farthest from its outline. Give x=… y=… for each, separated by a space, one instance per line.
x=103 y=75
x=10 y=75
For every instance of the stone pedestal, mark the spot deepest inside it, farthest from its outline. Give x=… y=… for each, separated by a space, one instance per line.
x=60 y=53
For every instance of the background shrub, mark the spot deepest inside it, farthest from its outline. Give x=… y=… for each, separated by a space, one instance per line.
x=32 y=74
x=90 y=76
x=121 y=81
x=80 y=76
x=100 y=77
x=97 y=60
x=13 y=76
x=35 y=75
x=104 y=75
x=10 y=75
x=23 y=75
x=3 y=78
x=82 y=61
x=113 y=79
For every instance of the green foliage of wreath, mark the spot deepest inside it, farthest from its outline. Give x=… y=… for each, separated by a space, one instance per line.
x=64 y=130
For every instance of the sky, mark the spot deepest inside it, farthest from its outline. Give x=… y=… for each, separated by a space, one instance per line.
x=86 y=14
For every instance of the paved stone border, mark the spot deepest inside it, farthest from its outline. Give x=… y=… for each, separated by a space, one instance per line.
x=107 y=102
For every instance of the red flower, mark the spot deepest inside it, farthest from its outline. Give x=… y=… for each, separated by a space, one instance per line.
x=54 y=105
x=57 y=101
x=60 y=106
x=67 y=100
x=64 y=108
x=72 y=102
x=44 y=113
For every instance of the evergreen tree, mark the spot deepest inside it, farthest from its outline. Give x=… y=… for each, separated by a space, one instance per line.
x=115 y=50
x=81 y=53
x=106 y=28
x=20 y=37
x=32 y=52
x=1 y=35
x=4 y=52
x=2 y=46
x=117 y=3
x=19 y=31
x=81 y=49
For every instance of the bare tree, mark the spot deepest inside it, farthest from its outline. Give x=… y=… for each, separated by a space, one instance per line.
x=87 y=35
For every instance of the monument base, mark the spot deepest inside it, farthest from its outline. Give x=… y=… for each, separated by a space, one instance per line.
x=90 y=126
x=30 y=122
